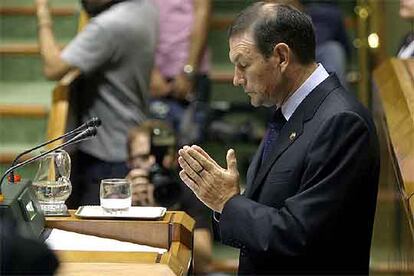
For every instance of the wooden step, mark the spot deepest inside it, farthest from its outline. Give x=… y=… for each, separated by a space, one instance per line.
x=6 y=158
x=31 y=11
x=23 y=110
x=22 y=49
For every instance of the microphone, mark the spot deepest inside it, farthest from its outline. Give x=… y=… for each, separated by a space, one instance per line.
x=85 y=134
x=20 y=202
x=93 y=122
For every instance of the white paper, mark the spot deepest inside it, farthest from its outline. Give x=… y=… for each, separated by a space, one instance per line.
x=96 y=211
x=66 y=240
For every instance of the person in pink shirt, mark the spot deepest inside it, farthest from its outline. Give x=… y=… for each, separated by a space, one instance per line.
x=180 y=85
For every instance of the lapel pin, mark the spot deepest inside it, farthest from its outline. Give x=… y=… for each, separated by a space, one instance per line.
x=292 y=136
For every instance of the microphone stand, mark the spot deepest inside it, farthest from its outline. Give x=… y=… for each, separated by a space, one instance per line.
x=90 y=131
x=93 y=122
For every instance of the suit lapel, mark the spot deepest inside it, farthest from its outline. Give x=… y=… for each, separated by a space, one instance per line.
x=289 y=133
x=253 y=167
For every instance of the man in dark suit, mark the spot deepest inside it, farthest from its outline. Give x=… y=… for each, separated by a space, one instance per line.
x=311 y=189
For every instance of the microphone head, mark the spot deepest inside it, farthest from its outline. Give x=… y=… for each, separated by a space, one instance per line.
x=91 y=131
x=86 y=134
x=93 y=122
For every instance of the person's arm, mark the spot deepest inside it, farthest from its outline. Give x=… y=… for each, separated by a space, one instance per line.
x=183 y=83
x=341 y=153
x=211 y=183
x=54 y=67
x=202 y=12
x=159 y=86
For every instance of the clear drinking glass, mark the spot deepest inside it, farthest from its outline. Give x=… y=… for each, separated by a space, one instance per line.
x=115 y=194
x=51 y=183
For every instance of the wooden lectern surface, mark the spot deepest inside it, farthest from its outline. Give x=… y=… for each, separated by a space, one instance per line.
x=173 y=232
x=118 y=269
x=392 y=250
x=395 y=82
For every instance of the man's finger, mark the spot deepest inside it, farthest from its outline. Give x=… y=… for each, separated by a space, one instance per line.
x=194 y=164
x=204 y=162
x=189 y=182
x=207 y=178
x=205 y=154
x=190 y=172
x=231 y=160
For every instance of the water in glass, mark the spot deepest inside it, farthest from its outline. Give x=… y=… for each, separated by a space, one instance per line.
x=115 y=194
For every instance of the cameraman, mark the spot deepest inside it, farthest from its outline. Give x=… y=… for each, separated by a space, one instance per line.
x=154 y=182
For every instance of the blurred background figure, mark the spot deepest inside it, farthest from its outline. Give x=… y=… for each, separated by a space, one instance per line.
x=180 y=84
x=332 y=43
x=153 y=175
x=406 y=49
x=115 y=54
x=20 y=255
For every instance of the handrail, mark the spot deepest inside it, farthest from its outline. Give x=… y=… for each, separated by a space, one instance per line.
x=59 y=109
x=23 y=110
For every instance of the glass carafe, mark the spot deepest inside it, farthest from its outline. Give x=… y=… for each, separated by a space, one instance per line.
x=51 y=183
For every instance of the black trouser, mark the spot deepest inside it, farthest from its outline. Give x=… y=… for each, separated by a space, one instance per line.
x=87 y=173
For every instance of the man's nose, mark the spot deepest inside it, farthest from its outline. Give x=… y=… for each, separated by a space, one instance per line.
x=238 y=79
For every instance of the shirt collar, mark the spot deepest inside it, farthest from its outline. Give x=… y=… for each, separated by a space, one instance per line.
x=318 y=76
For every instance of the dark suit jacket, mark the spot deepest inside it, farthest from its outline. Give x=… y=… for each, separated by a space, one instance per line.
x=310 y=207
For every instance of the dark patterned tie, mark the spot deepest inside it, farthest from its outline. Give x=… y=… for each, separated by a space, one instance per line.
x=273 y=129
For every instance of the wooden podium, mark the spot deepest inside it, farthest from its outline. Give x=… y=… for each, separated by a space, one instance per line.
x=392 y=250
x=173 y=232
x=395 y=83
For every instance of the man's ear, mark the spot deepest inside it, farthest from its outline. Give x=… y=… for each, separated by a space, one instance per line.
x=282 y=52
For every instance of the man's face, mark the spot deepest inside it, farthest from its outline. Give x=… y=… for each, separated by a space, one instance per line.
x=140 y=157
x=258 y=76
x=407 y=9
